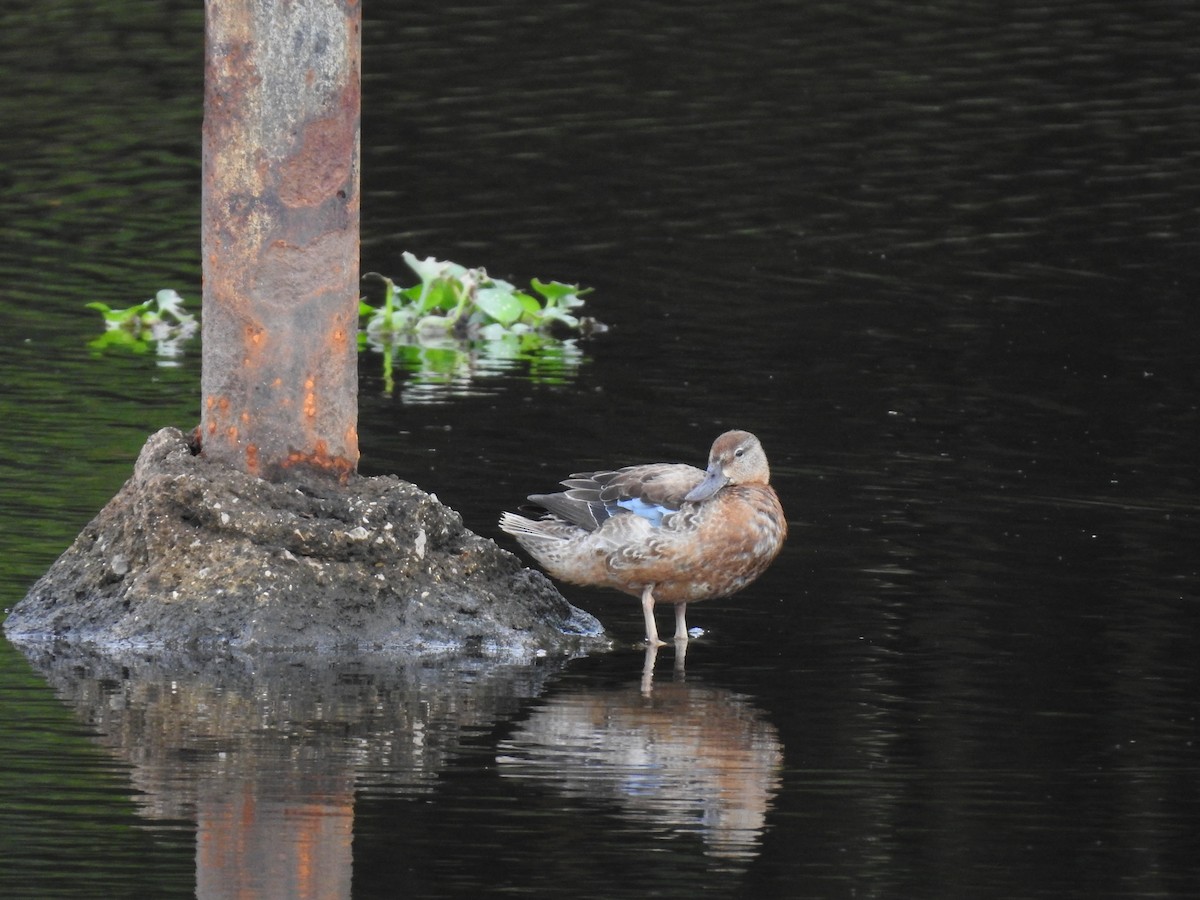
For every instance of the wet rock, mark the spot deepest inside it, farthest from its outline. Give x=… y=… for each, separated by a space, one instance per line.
x=193 y=554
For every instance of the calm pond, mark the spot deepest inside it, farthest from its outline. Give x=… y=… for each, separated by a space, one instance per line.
x=942 y=258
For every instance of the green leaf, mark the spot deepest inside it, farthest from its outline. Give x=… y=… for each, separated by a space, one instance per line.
x=440 y=294
x=500 y=304
x=121 y=317
x=119 y=337
x=553 y=290
x=529 y=304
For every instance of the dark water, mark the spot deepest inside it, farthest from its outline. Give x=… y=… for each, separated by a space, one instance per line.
x=941 y=258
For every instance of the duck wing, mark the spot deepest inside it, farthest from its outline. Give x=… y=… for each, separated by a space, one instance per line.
x=650 y=491
x=658 y=484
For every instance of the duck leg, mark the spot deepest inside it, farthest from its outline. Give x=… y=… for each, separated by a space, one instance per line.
x=681 y=632
x=648 y=612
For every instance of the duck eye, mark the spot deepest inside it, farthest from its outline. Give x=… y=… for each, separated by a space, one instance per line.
x=739 y=451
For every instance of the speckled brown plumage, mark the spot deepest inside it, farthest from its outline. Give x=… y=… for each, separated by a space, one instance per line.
x=667 y=532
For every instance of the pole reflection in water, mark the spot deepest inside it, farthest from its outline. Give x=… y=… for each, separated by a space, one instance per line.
x=266 y=754
x=677 y=757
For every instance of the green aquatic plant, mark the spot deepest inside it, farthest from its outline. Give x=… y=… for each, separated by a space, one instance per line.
x=468 y=303
x=161 y=324
x=458 y=324
x=454 y=327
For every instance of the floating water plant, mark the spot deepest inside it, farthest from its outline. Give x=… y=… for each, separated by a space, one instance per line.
x=458 y=324
x=468 y=303
x=161 y=324
x=454 y=327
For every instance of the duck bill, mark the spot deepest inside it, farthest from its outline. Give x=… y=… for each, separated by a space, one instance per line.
x=713 y=482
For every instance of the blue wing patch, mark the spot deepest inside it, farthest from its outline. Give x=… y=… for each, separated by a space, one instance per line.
x=651 y=511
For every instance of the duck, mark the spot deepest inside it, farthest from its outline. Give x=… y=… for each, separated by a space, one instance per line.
x=664 y=532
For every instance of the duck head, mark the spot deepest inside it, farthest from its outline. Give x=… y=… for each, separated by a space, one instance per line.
x=736 y=458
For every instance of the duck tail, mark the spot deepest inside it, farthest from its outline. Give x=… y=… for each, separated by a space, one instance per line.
x=511 y=523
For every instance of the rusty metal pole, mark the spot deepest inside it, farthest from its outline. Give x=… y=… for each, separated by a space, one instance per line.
x=280 y=236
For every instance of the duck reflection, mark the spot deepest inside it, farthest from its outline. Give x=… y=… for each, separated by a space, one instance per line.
x=267 y=754
x=682 y=758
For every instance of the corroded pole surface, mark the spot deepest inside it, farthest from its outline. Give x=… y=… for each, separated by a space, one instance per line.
x=280 y=236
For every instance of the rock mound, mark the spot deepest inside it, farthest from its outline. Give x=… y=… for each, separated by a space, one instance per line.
x=193 y=554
